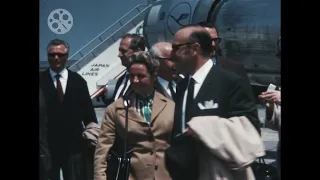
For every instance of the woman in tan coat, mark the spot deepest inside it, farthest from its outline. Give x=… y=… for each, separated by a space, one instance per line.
x=150 y=119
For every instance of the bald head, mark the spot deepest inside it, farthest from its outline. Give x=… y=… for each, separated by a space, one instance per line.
x=186 y=31
x=161 y=50
x=194 y=35
x=191 y=47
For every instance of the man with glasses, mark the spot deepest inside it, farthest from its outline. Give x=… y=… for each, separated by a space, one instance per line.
x=69 y=107
x=167 y=72
x=217 y=57
x=208 y=90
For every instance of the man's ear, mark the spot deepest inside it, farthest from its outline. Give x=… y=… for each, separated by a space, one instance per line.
x=195 y=49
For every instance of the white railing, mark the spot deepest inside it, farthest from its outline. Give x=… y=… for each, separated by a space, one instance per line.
x=99 y=43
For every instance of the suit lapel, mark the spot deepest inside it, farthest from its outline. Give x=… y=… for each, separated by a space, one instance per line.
x=118 y=85
x=181 y=88
x=69 y=85
x=120 y=80
x=47 y=80
x=161 y=89
x=159 y=103
x=48 y=85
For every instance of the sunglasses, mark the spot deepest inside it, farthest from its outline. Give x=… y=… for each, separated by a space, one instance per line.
x=60 y=55
x=176 y=46
x=123 y=51
x=168 y=58
x=216 y=40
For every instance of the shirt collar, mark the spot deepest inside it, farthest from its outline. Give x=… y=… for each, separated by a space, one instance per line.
x=202 y=73
x=165 y=83
x=63 y=73
x=214 y=60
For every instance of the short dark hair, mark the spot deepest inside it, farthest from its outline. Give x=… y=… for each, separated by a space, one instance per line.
x=206 y=24
x=138 y=42
x=57 y=42
x=203 y=38
x=146 y=59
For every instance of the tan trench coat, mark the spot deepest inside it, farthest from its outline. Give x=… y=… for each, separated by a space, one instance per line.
x=148 y=141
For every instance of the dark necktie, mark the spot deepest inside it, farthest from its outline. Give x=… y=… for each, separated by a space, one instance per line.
x=59 y=87
x=173 y=93
x=124 y=86
x=190 y=99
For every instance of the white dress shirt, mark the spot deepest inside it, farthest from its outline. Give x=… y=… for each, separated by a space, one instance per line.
x=63 y=78
x=214 y=60
x=199 y=78
x=165 y=84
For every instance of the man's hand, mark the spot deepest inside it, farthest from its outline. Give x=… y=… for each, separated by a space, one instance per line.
x=190 y=132
x=274 y=96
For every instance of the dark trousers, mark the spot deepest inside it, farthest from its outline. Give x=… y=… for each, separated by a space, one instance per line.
x=72 y=167
x=279 y=159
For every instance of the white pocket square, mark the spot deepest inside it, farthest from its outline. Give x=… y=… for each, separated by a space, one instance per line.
x=208 y=105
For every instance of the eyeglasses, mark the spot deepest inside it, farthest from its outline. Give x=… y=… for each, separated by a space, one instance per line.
x=60 y=55
x=216 y=40
x=176 y=46
x=165 y=58
x=123 y=51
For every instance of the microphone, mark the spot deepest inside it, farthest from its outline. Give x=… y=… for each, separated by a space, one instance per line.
x=126 y=101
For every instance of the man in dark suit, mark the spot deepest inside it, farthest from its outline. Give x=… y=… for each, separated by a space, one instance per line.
x=45 y=163
x=69 y=109
x=192 y=49
x=129 y=44
x=218 y=58
x=167 y=74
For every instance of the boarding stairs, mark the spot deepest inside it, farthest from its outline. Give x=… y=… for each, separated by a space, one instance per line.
x=98 y=60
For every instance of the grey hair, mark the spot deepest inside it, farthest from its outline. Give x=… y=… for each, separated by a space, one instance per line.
x=155 y=51
x=57 y=42
x=146 y=59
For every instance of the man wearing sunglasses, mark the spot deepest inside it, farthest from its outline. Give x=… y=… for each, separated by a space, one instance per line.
x=207 y=90
x=220 y=60
x=69 y=107
x=167 y=72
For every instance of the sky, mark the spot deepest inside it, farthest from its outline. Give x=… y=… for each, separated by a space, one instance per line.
x=88 y=19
